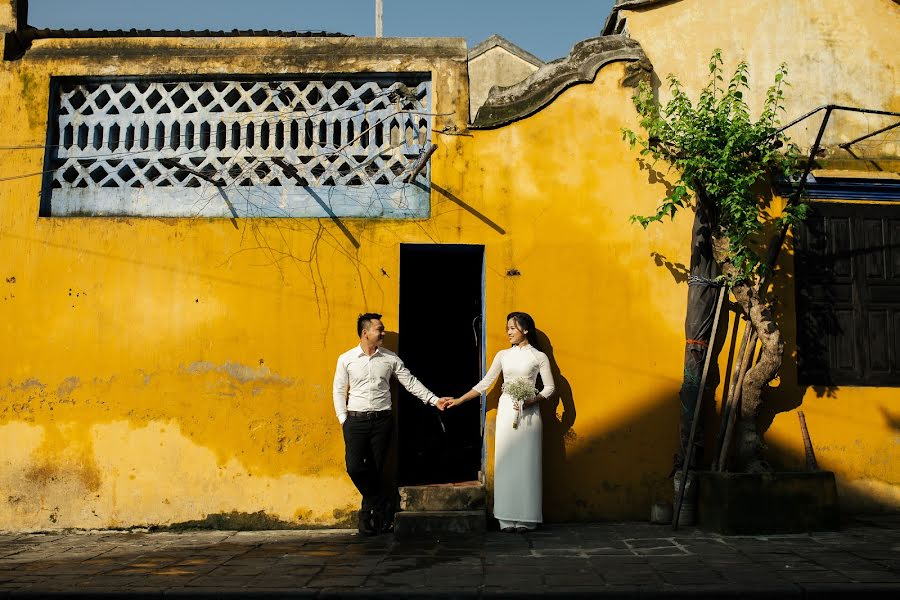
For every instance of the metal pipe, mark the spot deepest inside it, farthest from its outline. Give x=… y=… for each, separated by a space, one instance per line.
x=846 y=145
x=378 y=18
x=778 y=240
x=868 y=111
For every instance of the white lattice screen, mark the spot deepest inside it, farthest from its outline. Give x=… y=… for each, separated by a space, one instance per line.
x=289 y=148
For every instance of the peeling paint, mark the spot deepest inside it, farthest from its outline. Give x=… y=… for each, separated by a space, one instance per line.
x=67 y=386
x=240 y=372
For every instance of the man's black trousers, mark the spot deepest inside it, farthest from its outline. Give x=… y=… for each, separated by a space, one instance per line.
x=367 y=437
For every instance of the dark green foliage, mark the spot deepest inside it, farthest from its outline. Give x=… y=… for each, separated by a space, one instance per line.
x=721 y=156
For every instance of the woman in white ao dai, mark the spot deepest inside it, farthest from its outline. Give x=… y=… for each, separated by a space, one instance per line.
x=517 y=449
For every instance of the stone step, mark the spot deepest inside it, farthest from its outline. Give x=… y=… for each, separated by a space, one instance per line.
x=439 y=522
x=468 y=495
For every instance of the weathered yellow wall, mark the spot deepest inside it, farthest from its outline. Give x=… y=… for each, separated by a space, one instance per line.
x=837 y=53
x=555 y=182
x=7 y=17
x=160 y=370
x=497 y=66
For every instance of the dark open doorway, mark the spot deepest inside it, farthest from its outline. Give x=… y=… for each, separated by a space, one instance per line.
x=441 y=298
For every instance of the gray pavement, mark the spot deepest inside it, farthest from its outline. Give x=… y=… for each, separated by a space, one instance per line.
x=627 y=560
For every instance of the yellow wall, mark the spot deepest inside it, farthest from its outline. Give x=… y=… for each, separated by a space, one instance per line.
x=837 y=53
x=160 y=370
x=187 y=375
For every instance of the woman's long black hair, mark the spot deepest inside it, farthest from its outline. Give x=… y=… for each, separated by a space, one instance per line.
x=525 y=323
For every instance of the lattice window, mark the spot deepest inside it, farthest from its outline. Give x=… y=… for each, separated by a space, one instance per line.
x=299 y=147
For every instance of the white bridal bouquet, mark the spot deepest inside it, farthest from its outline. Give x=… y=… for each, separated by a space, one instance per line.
x=520 y=389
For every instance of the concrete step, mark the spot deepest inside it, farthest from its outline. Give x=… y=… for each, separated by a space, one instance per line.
x=468 y=495
x=438 y=522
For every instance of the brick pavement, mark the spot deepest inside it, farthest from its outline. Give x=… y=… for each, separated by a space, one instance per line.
x=627 y=560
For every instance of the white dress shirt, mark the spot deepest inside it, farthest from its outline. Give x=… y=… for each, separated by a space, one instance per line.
x=369 y=380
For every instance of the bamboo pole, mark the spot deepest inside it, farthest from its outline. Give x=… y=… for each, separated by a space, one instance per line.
x=736 y=403
x=689 y=451
x=728 y=401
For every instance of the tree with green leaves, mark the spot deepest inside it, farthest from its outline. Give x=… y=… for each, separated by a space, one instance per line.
x=723 y=160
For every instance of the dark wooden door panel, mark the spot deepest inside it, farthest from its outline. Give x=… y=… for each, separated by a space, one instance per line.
x=894 y=250
x=873 y=240
x=879 y=341
x=848 y=295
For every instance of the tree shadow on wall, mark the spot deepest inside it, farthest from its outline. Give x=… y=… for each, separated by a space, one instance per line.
x=787 y=391
x=808 y=342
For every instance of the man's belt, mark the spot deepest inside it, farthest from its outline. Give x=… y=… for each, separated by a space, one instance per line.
x=368 y=414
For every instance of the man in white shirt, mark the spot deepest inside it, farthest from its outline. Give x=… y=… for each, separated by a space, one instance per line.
x=365 y=416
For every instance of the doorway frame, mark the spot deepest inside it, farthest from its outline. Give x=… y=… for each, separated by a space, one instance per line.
x=482 y=472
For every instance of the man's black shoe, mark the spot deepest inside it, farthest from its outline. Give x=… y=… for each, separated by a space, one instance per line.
x=386 y=527
x=383 y=521
x=380 y=523
x=365 y=523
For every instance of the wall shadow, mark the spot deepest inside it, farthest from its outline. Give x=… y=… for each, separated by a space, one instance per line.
x=390 y=478
x=655 y=176
x=704 y=441
x=679 y=271
x=788 y=392
x=806 y=339
x=468 y=208
x=558 y=417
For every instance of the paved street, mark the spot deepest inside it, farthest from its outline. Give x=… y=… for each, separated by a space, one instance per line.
x=609 y=560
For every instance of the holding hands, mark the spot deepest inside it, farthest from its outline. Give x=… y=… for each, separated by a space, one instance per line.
x=454 y=402
x=442 y=403
x=448 y=402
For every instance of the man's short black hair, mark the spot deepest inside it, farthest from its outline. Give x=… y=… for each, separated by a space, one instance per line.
x=363 y=321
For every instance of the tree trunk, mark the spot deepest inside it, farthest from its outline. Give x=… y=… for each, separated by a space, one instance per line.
x=749 y=443
x=698 y=325
x=749 y=451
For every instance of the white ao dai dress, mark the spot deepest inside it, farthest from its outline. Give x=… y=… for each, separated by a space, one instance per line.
x=517 y=451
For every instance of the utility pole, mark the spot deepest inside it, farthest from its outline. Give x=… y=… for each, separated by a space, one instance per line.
x=378 y=13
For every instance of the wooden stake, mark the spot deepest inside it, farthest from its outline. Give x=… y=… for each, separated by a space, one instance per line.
x=728 y=401
x=811 y=463
x=420 y=164
x=736 y=403
x=689 y=451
